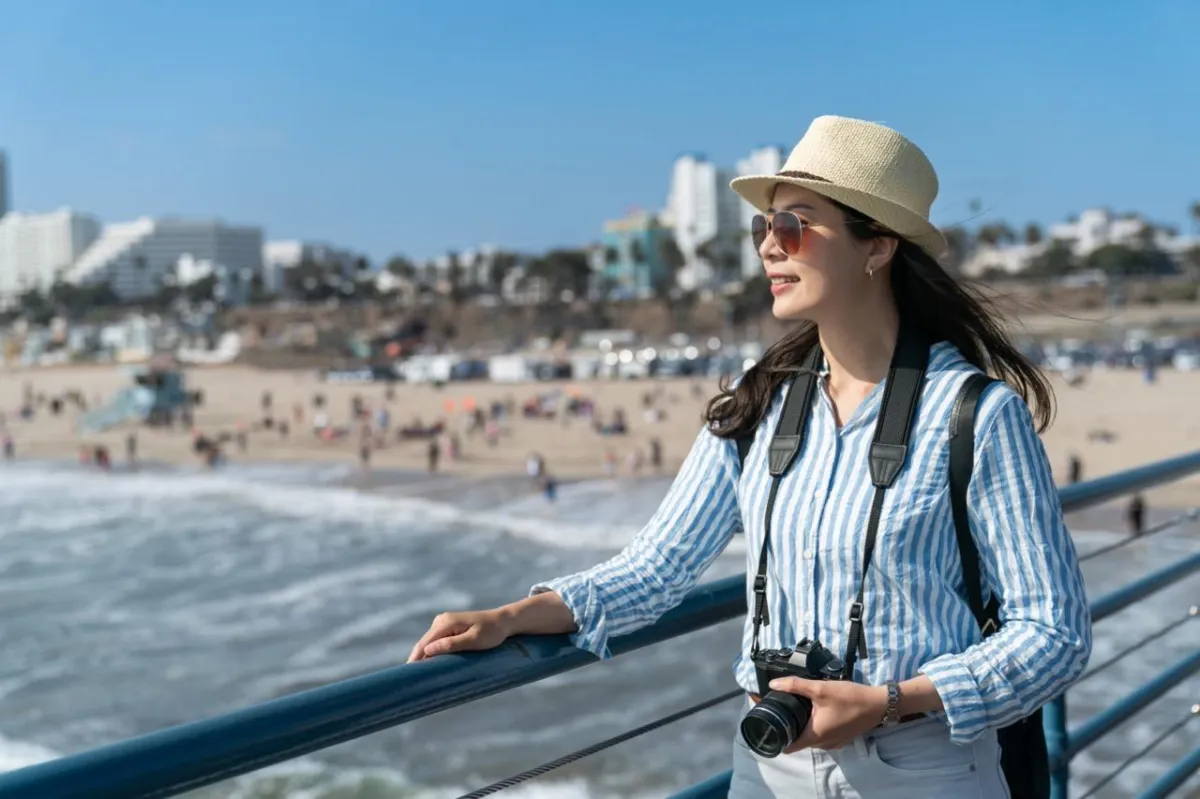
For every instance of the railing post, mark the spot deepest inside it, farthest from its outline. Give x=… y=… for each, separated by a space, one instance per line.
x=1057 y=742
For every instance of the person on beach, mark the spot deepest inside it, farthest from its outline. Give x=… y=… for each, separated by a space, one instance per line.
x=366 y=442
x=433 y=453
x=1135 y=515
x=844 y=235
x=656 y=455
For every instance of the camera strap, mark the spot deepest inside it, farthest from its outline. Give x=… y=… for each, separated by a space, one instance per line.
x=889 y=450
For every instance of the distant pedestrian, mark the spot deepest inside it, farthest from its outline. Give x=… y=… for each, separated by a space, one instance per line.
x=433 y=453
x=1076 y=468
x=1135 y=515
x=656 y=461
x=365 y=442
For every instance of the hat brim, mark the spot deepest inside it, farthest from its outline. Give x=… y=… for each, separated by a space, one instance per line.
x=759 y=189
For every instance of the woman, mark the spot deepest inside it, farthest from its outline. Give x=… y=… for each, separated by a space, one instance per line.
x=846 y=241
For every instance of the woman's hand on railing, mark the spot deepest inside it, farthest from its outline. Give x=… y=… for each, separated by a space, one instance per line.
x=467 y=631
x=544 y=613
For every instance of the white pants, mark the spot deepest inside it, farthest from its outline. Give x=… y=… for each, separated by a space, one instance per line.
x=914 y=760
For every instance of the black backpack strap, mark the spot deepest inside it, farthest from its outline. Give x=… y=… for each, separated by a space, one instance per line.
x=889 y=450
x=962 y=463
x=744 y=442
x=788 y=438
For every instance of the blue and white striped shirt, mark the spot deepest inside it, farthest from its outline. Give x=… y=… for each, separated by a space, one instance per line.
x=916 y=618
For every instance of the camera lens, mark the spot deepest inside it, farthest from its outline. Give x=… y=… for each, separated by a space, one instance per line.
x=775 y=722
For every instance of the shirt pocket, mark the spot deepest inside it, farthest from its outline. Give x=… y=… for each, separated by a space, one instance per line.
x=916 y=511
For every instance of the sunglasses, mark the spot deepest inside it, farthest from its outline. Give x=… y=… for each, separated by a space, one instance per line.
x=786 y=227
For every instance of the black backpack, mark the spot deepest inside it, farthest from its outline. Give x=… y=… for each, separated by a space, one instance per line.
x=1023 y=754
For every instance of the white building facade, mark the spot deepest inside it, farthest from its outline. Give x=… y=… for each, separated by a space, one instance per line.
x=1099 y=227
x=280 y=255
x=1093 y=229
x=703 y=210
x=137 y=258
x=37 y=249
x=761 y=161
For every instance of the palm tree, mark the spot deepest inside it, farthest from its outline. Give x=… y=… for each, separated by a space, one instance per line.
x=1033 y=233
x=400 y=266
x=996 y=233
x=637 y=254
x=502 y=263
x=1146 y=235
x=672 y=260
x=454 y=276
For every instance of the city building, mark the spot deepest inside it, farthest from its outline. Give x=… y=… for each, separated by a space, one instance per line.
x=705 y=215
x=5 y=197
x=992 y=260
x=37 y=249
x=633 y=254
x=1098 y=227
x=760 y=161
x=1093 y=229
x=278 y=256
x=137 y=257
x=474 y=266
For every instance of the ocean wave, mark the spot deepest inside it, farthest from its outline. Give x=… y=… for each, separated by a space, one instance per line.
x=19 y=754
x=594 y=514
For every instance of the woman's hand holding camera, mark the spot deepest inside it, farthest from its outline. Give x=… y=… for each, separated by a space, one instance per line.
x=841 y=710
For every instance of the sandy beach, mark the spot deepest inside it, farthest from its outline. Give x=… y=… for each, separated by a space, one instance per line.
x=1145 y=422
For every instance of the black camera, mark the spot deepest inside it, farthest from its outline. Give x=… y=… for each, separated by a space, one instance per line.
x=779 y=717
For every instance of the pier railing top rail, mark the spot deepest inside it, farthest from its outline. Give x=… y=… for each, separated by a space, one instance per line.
x=191 y=755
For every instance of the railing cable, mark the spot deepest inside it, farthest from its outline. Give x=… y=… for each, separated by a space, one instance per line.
x=1169 y=524
x=1192 y=713
x=1192 y=613
x=590 y=750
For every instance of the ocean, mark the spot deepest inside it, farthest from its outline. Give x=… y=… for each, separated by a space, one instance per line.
x=135 y=601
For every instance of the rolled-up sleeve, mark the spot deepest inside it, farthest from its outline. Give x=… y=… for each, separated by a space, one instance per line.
x=1029 y=562
x=655 y=571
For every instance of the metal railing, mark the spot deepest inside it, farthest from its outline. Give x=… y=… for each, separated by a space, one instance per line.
x=189 y=756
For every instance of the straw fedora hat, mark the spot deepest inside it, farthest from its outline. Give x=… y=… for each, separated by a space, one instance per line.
x=871 y=168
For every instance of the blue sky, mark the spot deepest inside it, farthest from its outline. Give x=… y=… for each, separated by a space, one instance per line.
x=420 y=127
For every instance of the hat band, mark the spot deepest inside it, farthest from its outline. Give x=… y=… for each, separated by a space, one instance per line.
x=791 y=173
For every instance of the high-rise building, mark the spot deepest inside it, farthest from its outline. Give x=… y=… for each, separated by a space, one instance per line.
x=704 y=212
x=760 y=161
x=38 y=249
x=136 y=257
x=4 y=196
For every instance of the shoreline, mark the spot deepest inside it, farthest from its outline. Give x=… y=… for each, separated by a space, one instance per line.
x=480 y=492
x=1112 y=422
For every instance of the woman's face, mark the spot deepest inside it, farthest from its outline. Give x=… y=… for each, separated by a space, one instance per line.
x=829 y=271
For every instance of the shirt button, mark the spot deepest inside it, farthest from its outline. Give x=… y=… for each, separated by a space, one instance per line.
x=808 y=554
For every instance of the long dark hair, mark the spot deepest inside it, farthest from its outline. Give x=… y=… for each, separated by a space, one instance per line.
x=928 y=299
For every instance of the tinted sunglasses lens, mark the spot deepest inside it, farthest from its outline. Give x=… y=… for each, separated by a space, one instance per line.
x=758 y=231
x=788 y=232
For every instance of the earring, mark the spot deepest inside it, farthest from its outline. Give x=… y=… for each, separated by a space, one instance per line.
x=871 y=274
